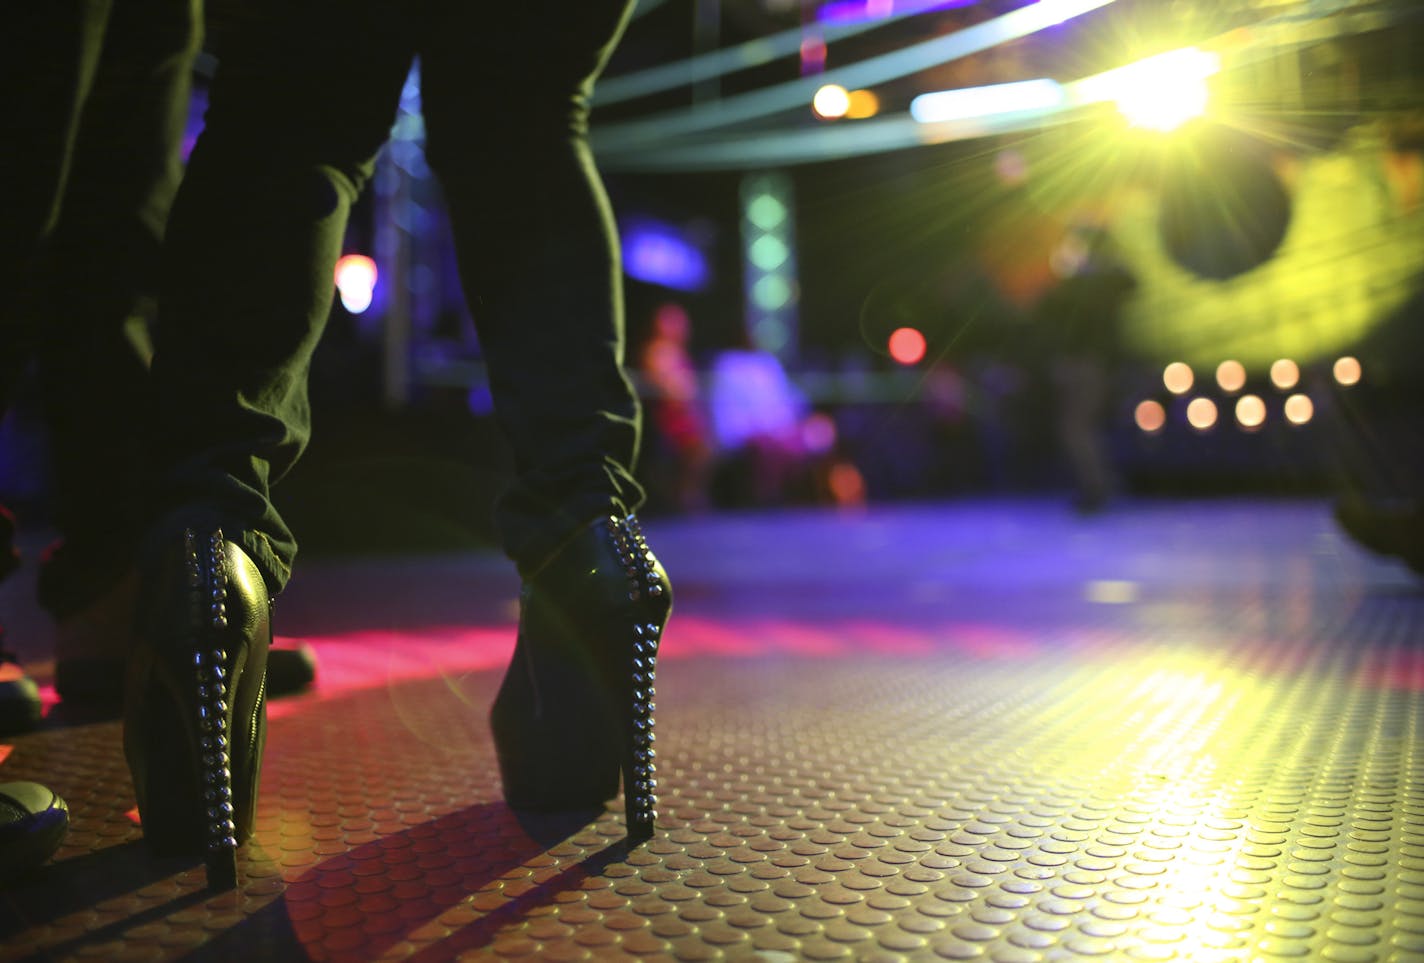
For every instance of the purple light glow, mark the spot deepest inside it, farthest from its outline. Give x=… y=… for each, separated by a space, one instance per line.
x=661 y=253
x=858 y=11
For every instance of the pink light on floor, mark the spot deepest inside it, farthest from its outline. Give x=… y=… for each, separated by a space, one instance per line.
x=351 y=662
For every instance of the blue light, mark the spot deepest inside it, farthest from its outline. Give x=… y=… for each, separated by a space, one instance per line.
x=660 y=253
x=1023 y=95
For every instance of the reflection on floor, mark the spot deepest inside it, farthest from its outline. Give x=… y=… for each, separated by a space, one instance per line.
x=986 y=730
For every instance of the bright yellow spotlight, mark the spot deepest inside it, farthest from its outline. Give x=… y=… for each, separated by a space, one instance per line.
x=1231 y=375
x=1250 y=412
x=1178 y=378
x=1299 y=409
x=1347 y=371
x=1285 y=374
x=831 y=102
x=1160 y=93
x=1150 y=416
x=1201 y=413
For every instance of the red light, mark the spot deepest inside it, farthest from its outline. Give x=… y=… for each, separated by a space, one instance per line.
x=907 y=346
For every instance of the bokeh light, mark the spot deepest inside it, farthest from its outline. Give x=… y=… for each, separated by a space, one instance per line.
x=1178 y=378
x=1347 y=371
x=1285 y=374
x=847 y=484
x=1299 y=409
x=861 y=104
x=907 y=346
x=355 y=278
x=818 y=433
x=1231 y=376
x=1201 y=413
x=1250 y=412
x=831 y=102
x=1150 y=416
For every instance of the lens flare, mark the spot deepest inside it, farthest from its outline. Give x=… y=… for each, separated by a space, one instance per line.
x=907 y=346
x=1231 y=376
x=1299 y=409
x=1150 y=416
x=861 y=104
x=831 y=102
x=1347 y=371
x=1285 y=374
x=1250 y=412
x=1178 y=378
x=1201 y=414
x=1159 y=93
x=355 y=278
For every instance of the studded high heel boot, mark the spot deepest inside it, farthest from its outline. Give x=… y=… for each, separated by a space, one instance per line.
x=576 y=706
x=195 y=702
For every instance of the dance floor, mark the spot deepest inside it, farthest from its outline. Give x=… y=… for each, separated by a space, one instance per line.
x=1181 y=730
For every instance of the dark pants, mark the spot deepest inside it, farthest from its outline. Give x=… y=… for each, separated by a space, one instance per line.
x=94 y=99
x=303 y=100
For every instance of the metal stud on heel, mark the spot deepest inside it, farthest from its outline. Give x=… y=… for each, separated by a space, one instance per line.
x=645 y=582
x=211 y=674
x=575 y=710
x=194 y=709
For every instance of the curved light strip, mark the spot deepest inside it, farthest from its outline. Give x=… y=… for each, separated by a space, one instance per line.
x=822 y=143
x=776 y=149
x=646 y=6
x=875 y=70
x=753 y=53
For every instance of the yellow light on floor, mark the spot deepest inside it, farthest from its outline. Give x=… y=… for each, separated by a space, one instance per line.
x=1347 y=371
x=1150 y=416
x=1285 y=374
x=1178 y=378
x=831 y=102
x=1299 y=409
x=1250 y=412
x=1201 y=413
x=1231 y=375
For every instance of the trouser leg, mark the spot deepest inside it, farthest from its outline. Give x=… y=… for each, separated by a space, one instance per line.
x=302 y=101
x=505 y=92
x=49 y=53
x=100 y=270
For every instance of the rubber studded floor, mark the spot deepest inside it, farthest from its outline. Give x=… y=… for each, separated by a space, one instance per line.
x=1181 y=731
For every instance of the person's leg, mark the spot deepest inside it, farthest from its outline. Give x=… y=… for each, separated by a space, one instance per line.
x=505 y=91
x=49 y=54
x=302 y=101
x=100 y=272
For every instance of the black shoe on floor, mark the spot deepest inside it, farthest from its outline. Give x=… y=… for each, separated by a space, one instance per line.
x=33 y=821
x=1385 y=527
x=20 y=707
x=94 y=633
x=99 y=682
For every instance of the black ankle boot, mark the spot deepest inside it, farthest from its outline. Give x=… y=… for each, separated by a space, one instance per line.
x=576 y=705
x=195 y=702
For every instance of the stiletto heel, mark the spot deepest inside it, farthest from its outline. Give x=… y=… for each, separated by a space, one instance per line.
x=195 y=703
x=576 y=708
